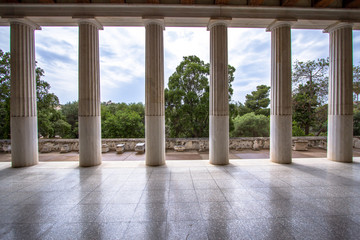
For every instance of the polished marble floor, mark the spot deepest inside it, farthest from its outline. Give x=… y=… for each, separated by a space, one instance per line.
x=248 y=199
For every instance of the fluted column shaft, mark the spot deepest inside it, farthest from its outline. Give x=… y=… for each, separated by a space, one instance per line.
x=340 y=116
x=154 y=93
x=23 y=112
x=219 y=94
x=280 y=106
x=89 y=94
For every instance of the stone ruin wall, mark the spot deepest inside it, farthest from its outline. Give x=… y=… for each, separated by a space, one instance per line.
x=198 y=144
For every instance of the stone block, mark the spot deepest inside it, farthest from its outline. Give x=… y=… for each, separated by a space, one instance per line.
x=6 y=148
x=140 y=147
x=356 y=143
x=179 y=148
x=300 y=145
x=266 y=144
x=256 y=146
x=65 y=148
x=104 y=148
x=120 y=148
x=46 y=148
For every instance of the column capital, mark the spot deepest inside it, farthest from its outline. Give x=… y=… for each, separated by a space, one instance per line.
x=154 y=20
x=24 y=21
x=91 y=21
x=218 y=21
x=280 y=23
x=338 y=25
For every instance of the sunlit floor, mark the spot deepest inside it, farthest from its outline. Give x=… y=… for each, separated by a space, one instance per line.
x=173 y=155
x=248 y=199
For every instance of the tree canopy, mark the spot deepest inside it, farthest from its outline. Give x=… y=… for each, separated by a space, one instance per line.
x=258 y=101
x=50 y=121
x=187 y=105
x=121 y=120
x=310 y=89
x=356 y=82
x=251 y=125
x=4 y=94
x=187 y=98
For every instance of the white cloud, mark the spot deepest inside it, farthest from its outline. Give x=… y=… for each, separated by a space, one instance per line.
x=5 y=39
x=249 y=53
x=180 y=42
x=57 y=53
x=309 y=45
x=122 y=57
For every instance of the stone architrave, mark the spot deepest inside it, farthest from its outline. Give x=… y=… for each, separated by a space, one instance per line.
x=89 y=93
x=280 y=105
x=340 y=113
x=219 y=93
x=154 y=92
x=23 y=111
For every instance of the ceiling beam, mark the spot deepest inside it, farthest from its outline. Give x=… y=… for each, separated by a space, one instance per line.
x=351 y=3
x=322 y=3
x=221 y=2
x=187 y=1
x=255 y=2
x=46 y=1
x=288 y=3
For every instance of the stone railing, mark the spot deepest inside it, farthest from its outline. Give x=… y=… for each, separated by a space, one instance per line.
x=199 y=144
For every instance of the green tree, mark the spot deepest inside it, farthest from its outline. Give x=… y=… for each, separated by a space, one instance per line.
x=321 y=116
x=239 y=109
x=356 y=82
x=356 y=125
x=297 y=131
x=46 y=102
x=187 y=99
x=314 y=74
x=62 y=128
x=124 y=124
x=310 y=87
x=304 y=108
x=4 y=95
x=70 y=111
x=258 y=101
x=251 y=125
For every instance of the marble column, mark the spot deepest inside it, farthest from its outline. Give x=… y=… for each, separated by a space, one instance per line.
x=89 y=94
x=340 y=111
x=280 y=105
x=154 y=93
x=219 y=93
x=23 y=112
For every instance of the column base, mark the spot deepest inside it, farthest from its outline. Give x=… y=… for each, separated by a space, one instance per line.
x=24 y=142
x=155 y=140
x=89 y=141
x=280 y=138
x=219 y=140
x=340 y=138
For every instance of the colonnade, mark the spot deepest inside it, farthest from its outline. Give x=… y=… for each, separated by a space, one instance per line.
x=23 y=93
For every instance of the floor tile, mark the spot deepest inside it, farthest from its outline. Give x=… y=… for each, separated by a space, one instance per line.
x=217 y=211
x=248 y=199
x=191 y=230
x=184 y=211
x=146 y=230
x=226 y=229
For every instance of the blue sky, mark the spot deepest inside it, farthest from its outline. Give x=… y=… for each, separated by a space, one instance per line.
x=122 y=57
